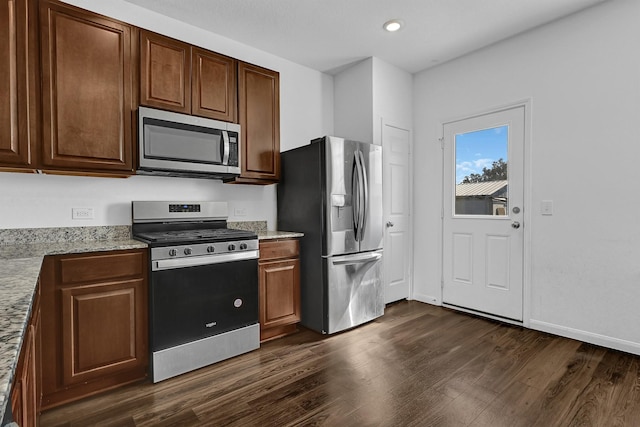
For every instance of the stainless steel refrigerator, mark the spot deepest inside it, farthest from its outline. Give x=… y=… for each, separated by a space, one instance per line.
x=331 y=190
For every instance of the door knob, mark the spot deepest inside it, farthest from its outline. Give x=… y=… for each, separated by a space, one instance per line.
x=515 y=224
x=389 y=224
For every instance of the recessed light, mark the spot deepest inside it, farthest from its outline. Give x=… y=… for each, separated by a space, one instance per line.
x=393 y=25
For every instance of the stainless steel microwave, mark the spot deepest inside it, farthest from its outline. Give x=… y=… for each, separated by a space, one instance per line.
x=174 y=144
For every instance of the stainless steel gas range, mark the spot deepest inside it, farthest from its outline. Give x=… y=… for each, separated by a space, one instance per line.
x=203 y=288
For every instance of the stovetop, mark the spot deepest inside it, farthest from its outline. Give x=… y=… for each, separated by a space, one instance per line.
x=197 y=235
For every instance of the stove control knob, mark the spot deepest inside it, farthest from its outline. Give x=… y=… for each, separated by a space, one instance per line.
x=211 y=249
x=187 y=251
x=232 y=247
x=173 y=252
x=243 y=246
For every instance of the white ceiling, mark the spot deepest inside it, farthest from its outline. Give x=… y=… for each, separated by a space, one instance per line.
x=328 y=34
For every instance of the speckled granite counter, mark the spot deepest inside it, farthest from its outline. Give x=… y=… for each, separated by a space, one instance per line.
x=21 y=255
x=274 y=235
x=260 y=228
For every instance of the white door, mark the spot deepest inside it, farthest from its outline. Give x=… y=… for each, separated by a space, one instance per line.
x=397 y=238
x=483 y=241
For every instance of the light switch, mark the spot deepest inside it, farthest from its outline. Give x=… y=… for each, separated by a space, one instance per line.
x=546 y=207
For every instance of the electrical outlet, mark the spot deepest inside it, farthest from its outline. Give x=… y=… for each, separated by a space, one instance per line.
x=81 y=213
x=240 y=211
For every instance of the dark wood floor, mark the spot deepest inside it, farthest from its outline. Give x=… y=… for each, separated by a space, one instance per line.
x=418 y=365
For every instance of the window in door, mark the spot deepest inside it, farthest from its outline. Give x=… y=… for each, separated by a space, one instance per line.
x=481 y=158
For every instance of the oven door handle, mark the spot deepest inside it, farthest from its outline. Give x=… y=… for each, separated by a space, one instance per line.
x=167 y=264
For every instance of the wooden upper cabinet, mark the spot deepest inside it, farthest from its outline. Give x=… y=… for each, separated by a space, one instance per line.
x=88 y=90
x=213 y=85
x=18 y=85
x=179 y=77
x=259 y=116
x=165 y=73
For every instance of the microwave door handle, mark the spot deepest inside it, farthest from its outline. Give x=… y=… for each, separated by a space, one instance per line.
x=225 y=147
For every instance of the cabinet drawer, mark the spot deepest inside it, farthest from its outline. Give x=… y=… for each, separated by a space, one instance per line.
x=88 y=268
x=279 y=249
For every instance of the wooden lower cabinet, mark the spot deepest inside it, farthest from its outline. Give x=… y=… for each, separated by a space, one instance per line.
x=279 y=270
x=26 y=390
x=94 y=311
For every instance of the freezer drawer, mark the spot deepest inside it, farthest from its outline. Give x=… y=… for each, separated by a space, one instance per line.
x=354 y=290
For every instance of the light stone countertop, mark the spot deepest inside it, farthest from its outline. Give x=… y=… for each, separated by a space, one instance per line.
x=275 y=235
x=21 y=255
x=260 y=228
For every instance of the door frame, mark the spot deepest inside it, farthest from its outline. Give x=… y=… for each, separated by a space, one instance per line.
x=384 y=122
x=526 y=197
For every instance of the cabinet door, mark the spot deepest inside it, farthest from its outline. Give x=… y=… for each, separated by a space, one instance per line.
x=16 y=402
x=88 y=74
x=165 y=73
x=214 y=85
x=17 y=86
x=24 y=396
x=36 y=324
x=259 y=114
x=102 y=329
x=279 y=293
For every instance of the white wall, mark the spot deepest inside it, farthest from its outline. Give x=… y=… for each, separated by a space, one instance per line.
x=368 y=92
x=353 y=102
x=306 y=112
x=582 y=75
x=392 y=98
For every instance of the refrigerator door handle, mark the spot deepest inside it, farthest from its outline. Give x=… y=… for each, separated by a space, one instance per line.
x=355 y=195
x=360 y=260
x=359 y=194
x=365 y=194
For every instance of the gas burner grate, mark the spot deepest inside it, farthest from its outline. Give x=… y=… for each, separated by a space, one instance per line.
x=195 y=235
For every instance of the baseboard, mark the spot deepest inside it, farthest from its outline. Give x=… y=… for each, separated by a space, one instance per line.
x=426 y=299
x=577 y=334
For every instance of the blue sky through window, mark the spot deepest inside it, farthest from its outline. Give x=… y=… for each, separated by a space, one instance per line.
x=479 y=149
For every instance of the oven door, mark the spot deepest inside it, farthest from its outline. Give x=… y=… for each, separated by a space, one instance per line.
x=195 y=302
